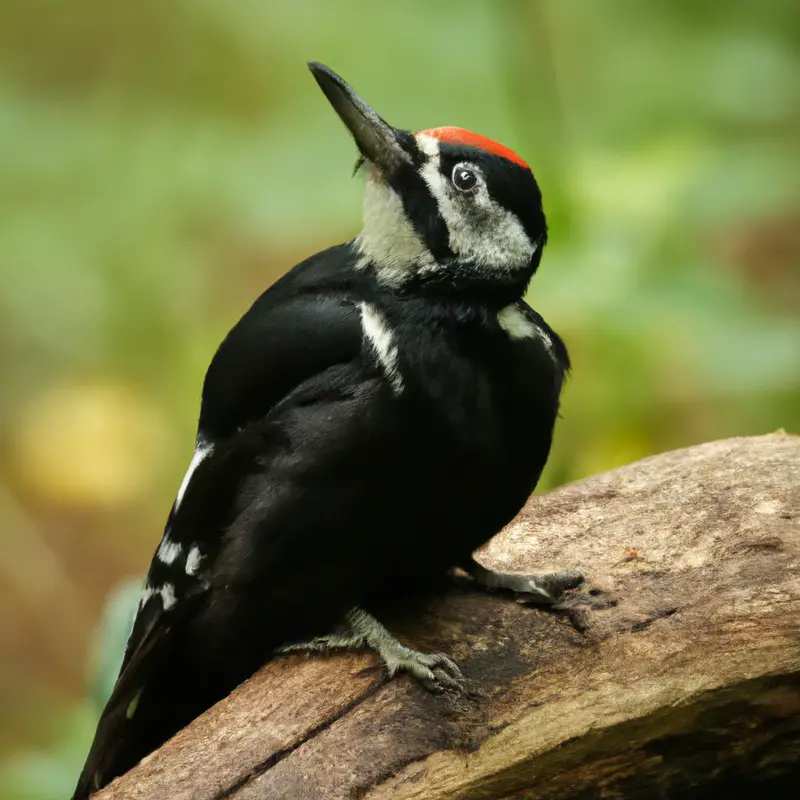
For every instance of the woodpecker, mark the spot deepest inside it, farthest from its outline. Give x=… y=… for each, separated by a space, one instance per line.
x=379 y=413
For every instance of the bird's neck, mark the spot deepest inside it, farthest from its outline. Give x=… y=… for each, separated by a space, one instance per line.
x=388 y=244
x=391 y=248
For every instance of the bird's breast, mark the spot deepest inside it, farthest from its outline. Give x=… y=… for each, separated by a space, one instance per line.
x=481 y=396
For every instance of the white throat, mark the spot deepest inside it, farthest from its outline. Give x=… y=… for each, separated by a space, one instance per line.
x=388 y=239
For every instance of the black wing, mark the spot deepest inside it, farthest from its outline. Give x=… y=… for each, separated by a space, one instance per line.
x=287 y=509
x=301 y=326
x=293 y=338
x=298 y=346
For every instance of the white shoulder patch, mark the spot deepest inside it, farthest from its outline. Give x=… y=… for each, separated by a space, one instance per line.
x=516 y=324
x=202 y=451
x=380 y=337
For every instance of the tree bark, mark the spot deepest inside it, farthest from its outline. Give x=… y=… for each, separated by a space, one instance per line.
x=688 y=686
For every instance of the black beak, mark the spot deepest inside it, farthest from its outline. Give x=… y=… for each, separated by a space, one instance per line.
x=378 y=141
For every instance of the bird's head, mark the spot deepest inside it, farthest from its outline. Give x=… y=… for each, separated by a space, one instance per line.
x=445 y=210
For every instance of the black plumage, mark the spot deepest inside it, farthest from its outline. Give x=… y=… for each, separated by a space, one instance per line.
x=364 y=427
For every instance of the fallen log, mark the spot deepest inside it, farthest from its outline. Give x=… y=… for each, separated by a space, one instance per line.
x=685 y=684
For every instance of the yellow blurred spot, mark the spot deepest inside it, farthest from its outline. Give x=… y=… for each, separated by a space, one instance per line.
x=642 y=185
x=609 y=452
x=93 y=444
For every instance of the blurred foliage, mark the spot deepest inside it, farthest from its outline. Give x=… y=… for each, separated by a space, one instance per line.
x=162 y=163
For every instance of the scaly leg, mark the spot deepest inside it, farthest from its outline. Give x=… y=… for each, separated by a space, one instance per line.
x=435 y=671
x=348 y=640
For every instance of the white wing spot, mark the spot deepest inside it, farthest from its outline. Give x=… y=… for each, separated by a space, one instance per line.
x=147 y=593
x=516 y=324
x=193 y=560
x=380 y=337
x=168 y=551
x=167 y=592
x=203 y=451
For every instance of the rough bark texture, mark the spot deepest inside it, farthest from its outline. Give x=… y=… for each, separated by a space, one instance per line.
x=688 y=687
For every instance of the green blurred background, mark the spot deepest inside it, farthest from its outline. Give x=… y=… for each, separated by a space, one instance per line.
x=161 y=163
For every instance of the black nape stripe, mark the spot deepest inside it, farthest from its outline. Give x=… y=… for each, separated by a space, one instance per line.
x=423 y=211
x=419 y=204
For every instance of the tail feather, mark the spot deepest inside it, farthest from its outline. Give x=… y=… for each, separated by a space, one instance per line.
x=112 y=752
x=130 y=726
x=139 y=718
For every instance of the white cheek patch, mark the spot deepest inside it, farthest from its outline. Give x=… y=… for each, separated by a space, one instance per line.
x=516 y=324
x=203 y=451
x=381 y=340
x=482 y=232
x=388 y=239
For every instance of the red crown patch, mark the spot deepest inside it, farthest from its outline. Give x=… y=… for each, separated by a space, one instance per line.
x=462 y=136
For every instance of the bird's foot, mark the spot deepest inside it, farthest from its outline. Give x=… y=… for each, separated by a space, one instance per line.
x=563 y=592
x=568 y=598
x=435 y=671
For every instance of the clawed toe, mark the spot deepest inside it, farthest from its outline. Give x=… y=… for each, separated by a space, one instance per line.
x=556 y=584
x=574 y=607
x=446 y=673
x=435 y=671
x=551 y=588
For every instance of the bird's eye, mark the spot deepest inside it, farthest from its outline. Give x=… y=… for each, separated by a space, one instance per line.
x=464 y=179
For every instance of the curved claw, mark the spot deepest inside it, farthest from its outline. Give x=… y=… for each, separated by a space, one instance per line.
x=435 y=671
x=548 y=589
x=446 y=672
x=555 y=584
